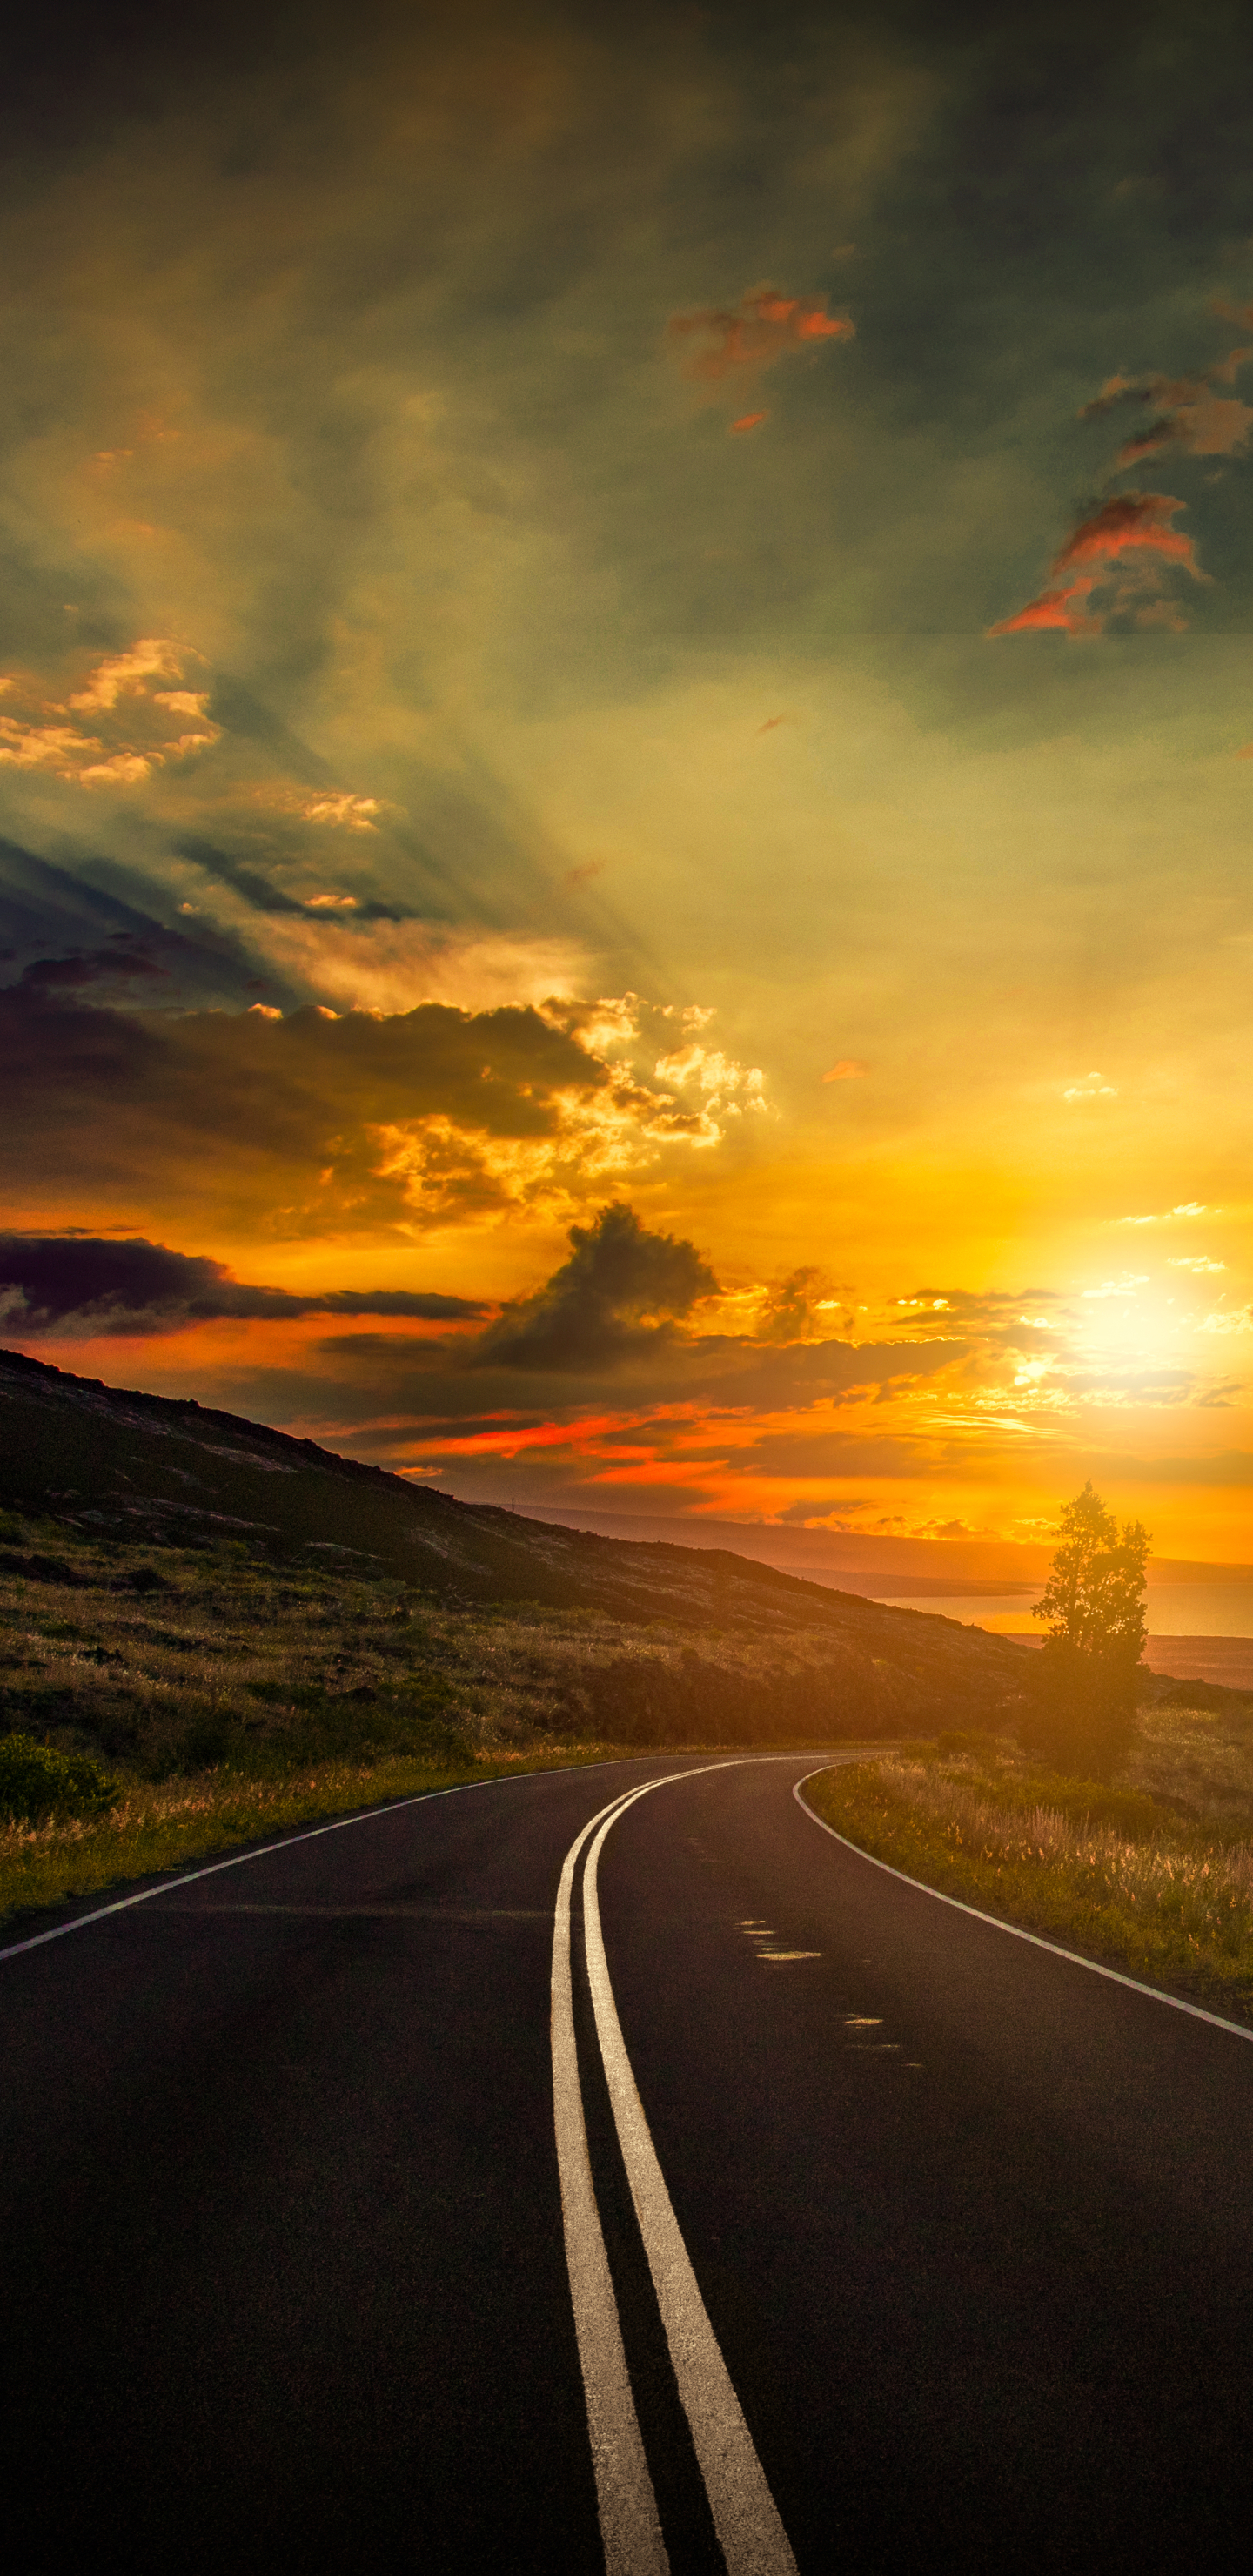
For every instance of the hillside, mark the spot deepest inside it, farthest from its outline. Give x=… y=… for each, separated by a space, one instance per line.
x=645 y=1641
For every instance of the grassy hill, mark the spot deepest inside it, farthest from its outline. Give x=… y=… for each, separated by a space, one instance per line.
x=330 y=1597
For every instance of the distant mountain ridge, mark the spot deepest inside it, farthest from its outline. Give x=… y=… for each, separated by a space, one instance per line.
x=879 y=1568
x=125 y=1469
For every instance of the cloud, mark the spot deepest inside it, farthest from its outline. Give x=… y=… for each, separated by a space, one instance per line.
x=1189 y=413
x=154 y=657
x=78 y=1285
x=790 y=1310
x=1054 y=611
x=261 y=893
x=1129 y=524
x=66 y=930
x=732 y=342
x=1187 y=1207
x=124 y=749
x=312 y=1122
x=1198 y=1262
x=350 y=813
x=1092 y=1087
x=849 y=1069
x=113 y=966
x=1123 y=547
x=1229 y=1319
x=716 y=1075
x=1126 y=545
x=749 y=420
x=616 y=1297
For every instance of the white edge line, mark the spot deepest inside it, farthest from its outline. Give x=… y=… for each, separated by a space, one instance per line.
x=1073 y=1958
x=236 y=1860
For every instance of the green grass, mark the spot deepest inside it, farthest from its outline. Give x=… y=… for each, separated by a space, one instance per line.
x=1116 y=1875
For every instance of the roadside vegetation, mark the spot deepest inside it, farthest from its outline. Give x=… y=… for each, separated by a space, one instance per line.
x=162 y=1704
x=1152 y=1874
x=1115 y=1815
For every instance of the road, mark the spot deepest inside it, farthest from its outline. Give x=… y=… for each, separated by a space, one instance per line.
x=916 y=2243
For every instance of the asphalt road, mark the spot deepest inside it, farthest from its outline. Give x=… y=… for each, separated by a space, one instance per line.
x=960 y=2244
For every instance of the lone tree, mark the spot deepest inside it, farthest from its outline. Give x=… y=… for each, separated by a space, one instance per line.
x=1093 y=1604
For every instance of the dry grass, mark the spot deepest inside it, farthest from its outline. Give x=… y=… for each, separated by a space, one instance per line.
x=173 y=1825
x=1117 y=1875
x=1199 y=1760
x=232 y=1697
x=169 y=1661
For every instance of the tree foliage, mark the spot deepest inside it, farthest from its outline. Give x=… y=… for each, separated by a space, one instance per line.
x=1094 y=1598
x=1093 y=1608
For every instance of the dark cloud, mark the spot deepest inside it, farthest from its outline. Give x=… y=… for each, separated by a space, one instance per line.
x=74 y=1284
x=102 y=924
x=1189 y=411
x=792 y=1305
x=728 y=1370
x=1124 y=546
x=104 y=966
x=811 y=1451
x=433 y=1383
x=261 y=892
x=319 y=1120
x=593 y=1311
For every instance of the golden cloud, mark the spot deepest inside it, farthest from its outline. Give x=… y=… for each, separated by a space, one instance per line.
x=129 y=744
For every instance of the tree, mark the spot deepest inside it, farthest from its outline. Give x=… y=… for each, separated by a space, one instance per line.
x=1093 y=1605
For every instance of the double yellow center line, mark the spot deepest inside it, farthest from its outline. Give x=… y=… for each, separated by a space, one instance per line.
x=750 y=2533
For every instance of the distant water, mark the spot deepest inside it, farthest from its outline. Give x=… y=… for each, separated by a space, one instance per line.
x=1213 y=1608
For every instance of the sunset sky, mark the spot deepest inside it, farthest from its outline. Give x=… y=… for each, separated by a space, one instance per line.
x=626 y=740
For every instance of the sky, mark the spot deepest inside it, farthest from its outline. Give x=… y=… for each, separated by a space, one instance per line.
x=626 y=750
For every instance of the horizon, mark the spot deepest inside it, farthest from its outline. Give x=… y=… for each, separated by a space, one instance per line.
x=1198 y=1613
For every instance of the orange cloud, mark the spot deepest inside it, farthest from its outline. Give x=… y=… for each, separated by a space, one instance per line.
x=762 y=328
x=751 y=420
x=849 y=1069
x=1128 y=543
x=1055 y=609
x=1125 y=544
x=1132 y=522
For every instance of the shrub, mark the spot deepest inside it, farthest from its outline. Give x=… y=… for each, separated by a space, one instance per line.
x=206 y=1741
x=35 y=1780
x=973 y=1740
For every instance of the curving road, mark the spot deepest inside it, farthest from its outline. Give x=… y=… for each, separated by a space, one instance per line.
x=549 y=2177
